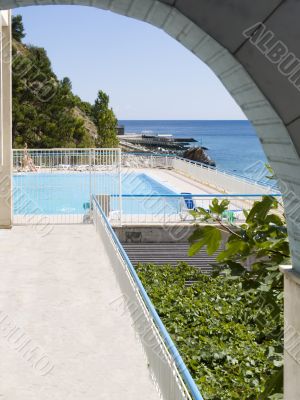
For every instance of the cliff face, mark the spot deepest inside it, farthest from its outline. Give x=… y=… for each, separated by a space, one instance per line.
x=198 y=154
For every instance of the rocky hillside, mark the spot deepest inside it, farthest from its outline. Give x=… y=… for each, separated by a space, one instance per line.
x=46 y=113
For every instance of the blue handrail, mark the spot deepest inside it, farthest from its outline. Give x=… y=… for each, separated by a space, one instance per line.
x=184 y=372
x=199 y=195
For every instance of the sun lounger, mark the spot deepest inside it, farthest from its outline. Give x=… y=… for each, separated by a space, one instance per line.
x=187 y=205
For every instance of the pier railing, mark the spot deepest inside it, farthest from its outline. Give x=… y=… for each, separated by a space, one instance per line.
x=167 y=368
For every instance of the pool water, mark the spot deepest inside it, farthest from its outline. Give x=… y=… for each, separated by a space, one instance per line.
x=61 y=193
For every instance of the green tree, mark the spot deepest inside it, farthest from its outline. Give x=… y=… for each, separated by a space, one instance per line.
x=18 y=32
x=46 y=113
x=105 y=121
x=67 y=84
x=43 y=118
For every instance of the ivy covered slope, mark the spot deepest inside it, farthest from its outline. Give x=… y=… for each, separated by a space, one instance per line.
x=223 y=334
x=46 y=113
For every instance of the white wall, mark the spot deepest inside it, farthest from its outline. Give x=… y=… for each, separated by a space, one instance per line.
x=217 y=179
x=5 y=122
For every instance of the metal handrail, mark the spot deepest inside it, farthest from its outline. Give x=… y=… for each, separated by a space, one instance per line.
x=199 y=195
x=184 y=372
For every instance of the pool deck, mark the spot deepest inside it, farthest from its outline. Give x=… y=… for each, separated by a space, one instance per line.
x=177 y=182
x=57 y=289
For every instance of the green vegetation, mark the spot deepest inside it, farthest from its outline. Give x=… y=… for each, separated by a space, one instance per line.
x=229 y=327
x=105 y=121
x=253 y=252
x=18 y=28
x=223 y=334
x=46 y=113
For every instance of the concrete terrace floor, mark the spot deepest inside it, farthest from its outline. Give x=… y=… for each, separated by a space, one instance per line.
x=57 y=288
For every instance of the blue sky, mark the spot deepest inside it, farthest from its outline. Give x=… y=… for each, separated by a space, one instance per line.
x=147 y=74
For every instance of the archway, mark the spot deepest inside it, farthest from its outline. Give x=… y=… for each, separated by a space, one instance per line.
x=222 y=37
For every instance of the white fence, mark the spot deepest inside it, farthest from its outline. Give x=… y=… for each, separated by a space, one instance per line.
x=166 y=365
x=56 y=185
x=176 y=209
x=61 y=160
x=222 y=181
x=219 y=180
x=140 y=160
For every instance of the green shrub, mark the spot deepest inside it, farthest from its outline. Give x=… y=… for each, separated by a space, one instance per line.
x=224 y=334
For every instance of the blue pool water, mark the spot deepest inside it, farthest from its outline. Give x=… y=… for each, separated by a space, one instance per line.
x=57 y=193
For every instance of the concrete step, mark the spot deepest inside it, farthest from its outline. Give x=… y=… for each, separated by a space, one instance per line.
x=168 y=253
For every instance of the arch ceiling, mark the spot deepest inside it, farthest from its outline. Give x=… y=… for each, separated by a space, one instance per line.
x=258 y=64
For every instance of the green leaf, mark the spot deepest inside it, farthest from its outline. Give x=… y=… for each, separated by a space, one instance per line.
x=274 y=219
x=277 y=396
x=270 y=170
x=195 y=248
x=201 y=213
x=261 y=209
x=208 y=236
x=274 y=385
x=237 y=269
x=196 y=235
x=218 y=208
x=233 y=248
x=213 y=239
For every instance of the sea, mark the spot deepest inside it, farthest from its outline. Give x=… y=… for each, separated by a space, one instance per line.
x=233 y=145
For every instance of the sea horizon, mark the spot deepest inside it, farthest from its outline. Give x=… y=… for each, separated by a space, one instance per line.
x=232 y=144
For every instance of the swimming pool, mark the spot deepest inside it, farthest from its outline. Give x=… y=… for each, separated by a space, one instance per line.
x=63 y=193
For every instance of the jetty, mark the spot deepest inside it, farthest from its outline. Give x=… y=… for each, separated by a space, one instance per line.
x=165 y=141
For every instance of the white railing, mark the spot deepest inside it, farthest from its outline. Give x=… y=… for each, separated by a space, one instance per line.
x=61 y=160
x=168 y=370
x=140 y=160
x=217 y=179
x=176 y=209
x=220 y=180
x=57 y=184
